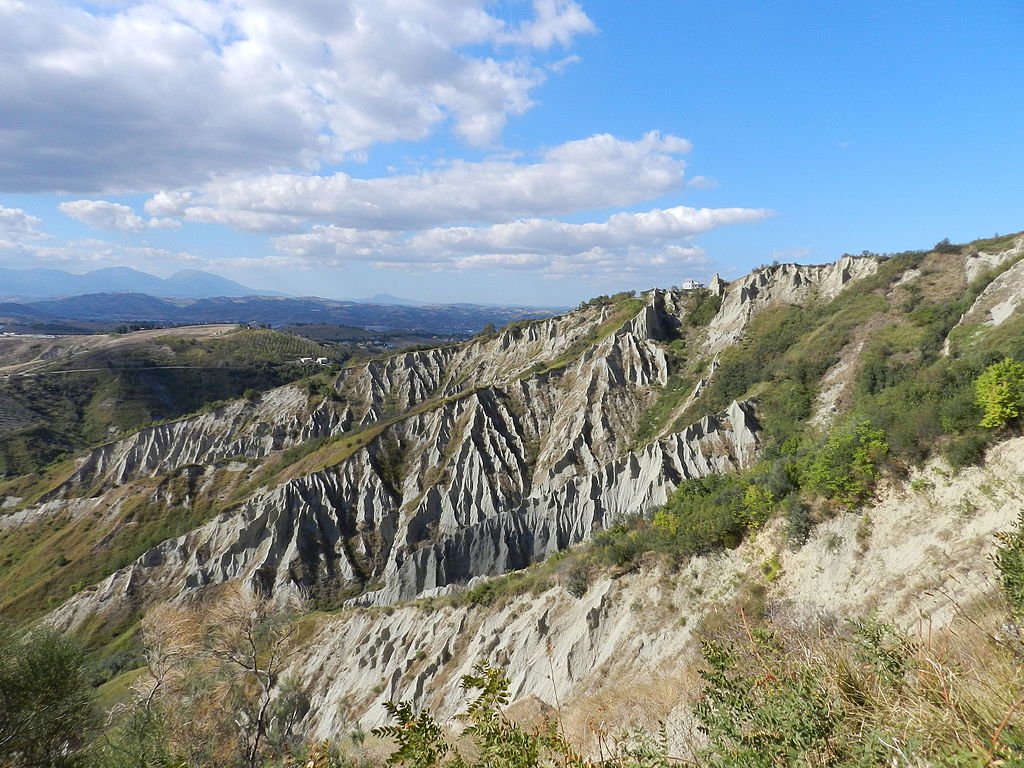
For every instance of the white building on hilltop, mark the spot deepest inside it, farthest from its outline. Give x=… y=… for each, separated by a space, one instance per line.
x=692 y=285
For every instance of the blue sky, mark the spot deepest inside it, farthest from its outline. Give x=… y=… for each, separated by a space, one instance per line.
x=535 y=152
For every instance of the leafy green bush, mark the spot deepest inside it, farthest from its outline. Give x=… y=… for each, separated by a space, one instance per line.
x=796 y=697
x=46 y=703
x=705 y=307
x=797 y=519
x=965 y=451
x=1000 y=393
x=1009 y=562
x=578 y=580
x=604 y=301
x=750 y=362
x=492 y=740
x=390 y=458
x=763 y=718
x=845 y=468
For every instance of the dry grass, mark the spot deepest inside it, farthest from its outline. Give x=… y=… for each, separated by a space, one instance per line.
x=949 y=697
x=621 y=703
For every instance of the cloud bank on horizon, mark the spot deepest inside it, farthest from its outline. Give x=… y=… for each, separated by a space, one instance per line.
x=149 y=115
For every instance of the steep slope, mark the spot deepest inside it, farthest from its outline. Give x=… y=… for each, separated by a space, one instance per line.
x=627 y=644
x=436 y=466
x=780 y=284
x=771 y=404
x=1001 y=298
x=418 y=472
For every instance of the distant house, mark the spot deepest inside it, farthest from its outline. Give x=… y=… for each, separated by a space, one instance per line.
x=692 y=285
x=322 y=360
x=305 y=359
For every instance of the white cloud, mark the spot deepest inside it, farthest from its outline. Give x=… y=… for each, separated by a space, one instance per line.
x=589 y=174
x=92 y=254
x=625 y=244
x=100 y=214
x=562 y=64
x=701 y=182
x=556 y=21
x=133 y=95
x=18 y=225
x=622 y=230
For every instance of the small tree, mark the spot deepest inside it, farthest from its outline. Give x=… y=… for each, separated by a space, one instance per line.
x=46 y=702
x=1000 y=392
x=213 y=679
x=756 y=507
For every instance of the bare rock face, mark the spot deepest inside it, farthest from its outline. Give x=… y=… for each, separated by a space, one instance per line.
x=435 y=467
x=628 y=632
x=976 y=263
x=999 y=300
x=781 y=284
x=243 y=429
x=492 y=477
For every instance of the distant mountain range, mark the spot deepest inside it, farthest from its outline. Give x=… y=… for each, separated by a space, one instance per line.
x=52 y=300
x=273 y=310
x=387 y=298
x=27 y=284
x=55 y=283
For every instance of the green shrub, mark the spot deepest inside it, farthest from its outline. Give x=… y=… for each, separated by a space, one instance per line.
x=604 y=301
x=390 y=459
x=705 y=307
x=492 y=740
x=797 y=518
x=1000 y=393
x=1009 y=562
x=47 y=709
x=767 y=339
x=577 y=580
x=845 y=468
x=768 y=717
x=965 y=451
x=758 y=504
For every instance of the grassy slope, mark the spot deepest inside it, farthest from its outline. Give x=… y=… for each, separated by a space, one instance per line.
x=84 y=408
x=42 y=564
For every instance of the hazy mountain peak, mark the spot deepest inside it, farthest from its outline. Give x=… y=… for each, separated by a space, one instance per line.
x=186 y=284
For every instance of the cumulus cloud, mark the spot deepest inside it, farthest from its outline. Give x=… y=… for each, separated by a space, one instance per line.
x=598 y=172
x=621 y=230
x=15 y=224
x=556 y=21
x=132 y=95
x=623 y=244
x=100 y=214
